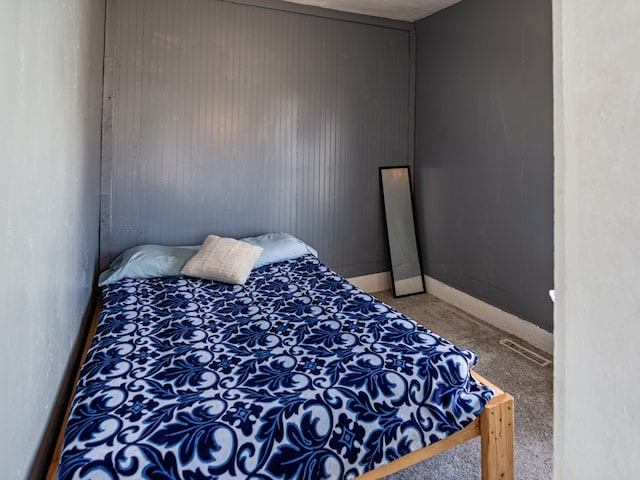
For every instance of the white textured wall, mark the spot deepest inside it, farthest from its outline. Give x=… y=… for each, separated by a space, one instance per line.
x=597 y=316
x=50 y=108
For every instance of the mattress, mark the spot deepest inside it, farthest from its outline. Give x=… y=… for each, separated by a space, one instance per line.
x=297 y=374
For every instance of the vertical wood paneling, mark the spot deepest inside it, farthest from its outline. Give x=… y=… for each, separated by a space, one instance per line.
x=239 y=120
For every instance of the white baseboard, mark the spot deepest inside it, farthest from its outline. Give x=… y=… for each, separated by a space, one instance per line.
x=376 y=282
x=508 y=322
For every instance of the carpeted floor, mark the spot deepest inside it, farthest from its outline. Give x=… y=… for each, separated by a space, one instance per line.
x=530 y=385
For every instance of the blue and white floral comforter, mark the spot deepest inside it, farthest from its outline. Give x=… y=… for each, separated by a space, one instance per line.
x=297 y=374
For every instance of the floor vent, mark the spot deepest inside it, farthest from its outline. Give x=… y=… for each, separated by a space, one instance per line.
x=525 y=352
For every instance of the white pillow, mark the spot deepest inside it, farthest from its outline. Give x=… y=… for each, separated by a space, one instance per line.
x=224 y=260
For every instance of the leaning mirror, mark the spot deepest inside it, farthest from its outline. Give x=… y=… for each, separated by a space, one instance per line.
x=406 y=269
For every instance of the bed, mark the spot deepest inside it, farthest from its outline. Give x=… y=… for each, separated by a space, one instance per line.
x=295 y=374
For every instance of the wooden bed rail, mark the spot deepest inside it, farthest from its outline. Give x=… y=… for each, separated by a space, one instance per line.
x=495 y=426
x=52 y=472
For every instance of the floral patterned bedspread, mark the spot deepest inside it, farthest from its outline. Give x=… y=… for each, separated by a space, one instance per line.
x=297 y=374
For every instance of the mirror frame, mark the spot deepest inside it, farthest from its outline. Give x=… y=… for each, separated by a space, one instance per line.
x=416 y=243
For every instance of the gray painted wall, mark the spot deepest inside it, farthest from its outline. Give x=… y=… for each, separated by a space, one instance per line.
x=238 y=120
x=484 y=152
x=50 y=90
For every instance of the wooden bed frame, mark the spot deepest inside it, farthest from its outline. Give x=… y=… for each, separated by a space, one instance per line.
x=494 y=426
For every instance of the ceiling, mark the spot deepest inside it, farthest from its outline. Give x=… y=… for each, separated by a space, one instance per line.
x=406 y=10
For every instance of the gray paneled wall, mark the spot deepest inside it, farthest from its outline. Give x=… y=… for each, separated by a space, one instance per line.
x=238 y=120
x=484 y=152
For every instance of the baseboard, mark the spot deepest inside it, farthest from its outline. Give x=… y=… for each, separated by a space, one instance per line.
x=508 y=322
x=376 y=282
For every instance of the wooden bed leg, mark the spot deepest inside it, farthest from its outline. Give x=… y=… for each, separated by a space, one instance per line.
x=496 y=431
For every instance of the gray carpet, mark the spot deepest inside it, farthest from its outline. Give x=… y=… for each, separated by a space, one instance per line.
x=530 y=385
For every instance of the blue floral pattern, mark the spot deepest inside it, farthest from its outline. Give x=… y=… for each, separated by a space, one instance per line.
x=295 y=375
